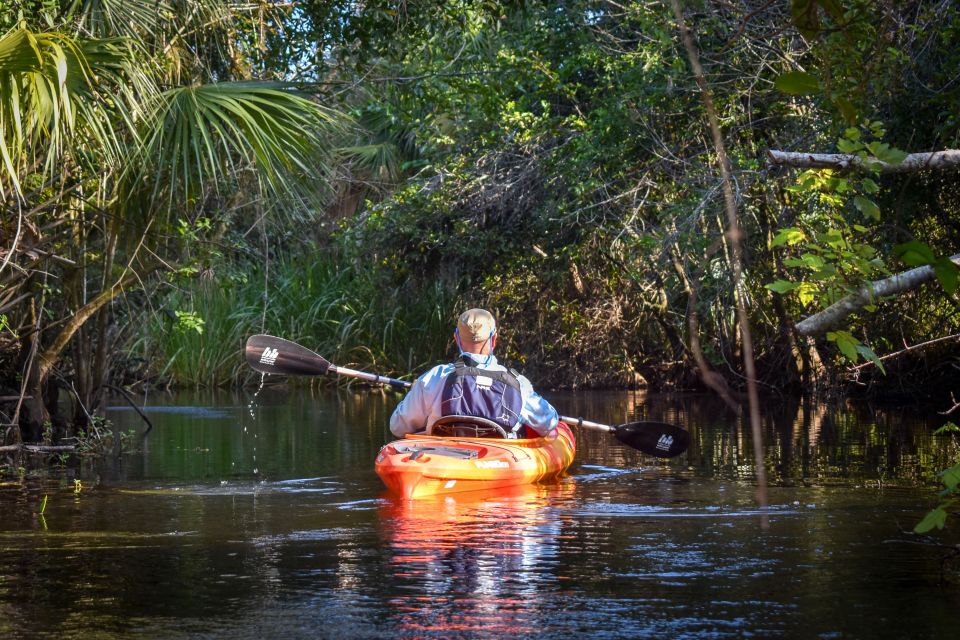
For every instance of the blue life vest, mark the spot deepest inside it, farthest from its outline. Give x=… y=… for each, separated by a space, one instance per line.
x=470 y=391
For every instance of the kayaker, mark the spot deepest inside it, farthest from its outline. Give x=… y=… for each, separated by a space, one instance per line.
x=475 y=385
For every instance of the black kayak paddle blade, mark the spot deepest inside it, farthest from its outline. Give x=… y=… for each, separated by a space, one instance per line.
x=269 y=354
x=658 y=439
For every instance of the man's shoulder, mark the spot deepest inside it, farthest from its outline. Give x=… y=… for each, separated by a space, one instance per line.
x=436 y=371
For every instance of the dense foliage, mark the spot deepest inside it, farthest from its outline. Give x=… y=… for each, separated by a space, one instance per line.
x=549 y=160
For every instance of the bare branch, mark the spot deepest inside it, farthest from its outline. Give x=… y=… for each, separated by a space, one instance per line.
x=913 y=347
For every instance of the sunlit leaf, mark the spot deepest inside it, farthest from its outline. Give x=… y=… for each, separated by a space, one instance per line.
x=807 y=293
x=783 y=286
x=789 y=236
x=208 y=132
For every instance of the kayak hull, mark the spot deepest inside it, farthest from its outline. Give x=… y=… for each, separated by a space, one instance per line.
x=423 y=465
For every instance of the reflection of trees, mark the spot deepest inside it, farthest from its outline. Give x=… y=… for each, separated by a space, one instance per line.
x=805 y=441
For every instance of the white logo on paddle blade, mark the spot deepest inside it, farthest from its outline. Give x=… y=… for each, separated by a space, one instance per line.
x=269 y=356
x=664 y=442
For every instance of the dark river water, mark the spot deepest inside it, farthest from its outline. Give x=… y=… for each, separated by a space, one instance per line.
x=258 y=515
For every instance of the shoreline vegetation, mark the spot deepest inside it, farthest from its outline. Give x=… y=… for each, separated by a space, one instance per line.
x=350 y=177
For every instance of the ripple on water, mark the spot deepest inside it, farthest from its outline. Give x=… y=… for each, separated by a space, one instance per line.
x=607 y=509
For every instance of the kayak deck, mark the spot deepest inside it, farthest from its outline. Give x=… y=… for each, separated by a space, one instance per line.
x=422 y=465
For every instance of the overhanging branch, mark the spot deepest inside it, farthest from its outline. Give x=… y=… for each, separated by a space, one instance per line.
x=830 y=317
x=940 y=160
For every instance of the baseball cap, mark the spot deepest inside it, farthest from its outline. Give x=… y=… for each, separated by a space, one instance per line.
x=476 y=325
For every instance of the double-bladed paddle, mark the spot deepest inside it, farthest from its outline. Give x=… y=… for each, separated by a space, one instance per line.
x=269 y=354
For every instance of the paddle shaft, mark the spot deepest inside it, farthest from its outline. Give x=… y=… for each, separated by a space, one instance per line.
x=587 y=424
x=369 y=377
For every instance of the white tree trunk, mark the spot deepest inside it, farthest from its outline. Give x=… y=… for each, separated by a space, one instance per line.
x=946 y=159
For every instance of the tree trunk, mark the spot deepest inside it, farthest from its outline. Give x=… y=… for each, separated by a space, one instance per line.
x=35 y=412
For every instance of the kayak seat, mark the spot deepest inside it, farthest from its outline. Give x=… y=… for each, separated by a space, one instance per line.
x=467 y=427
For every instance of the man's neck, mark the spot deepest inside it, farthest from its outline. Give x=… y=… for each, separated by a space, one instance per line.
x=477 y=356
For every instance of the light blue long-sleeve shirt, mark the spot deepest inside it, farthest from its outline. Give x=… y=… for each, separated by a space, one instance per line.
x=421 y=406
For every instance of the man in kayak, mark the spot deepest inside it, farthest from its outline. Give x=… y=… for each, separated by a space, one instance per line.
x=475 y=389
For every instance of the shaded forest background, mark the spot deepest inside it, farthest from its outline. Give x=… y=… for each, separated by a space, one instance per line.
x=178 y=175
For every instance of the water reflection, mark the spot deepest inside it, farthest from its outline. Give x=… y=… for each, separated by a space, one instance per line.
x=261 y=517
x=475 y=563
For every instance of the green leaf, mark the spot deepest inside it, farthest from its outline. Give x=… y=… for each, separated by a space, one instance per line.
x=790 y=236
x=868 y=354
x=797 y=83
x=951 y=477
x=783 y=286
x=812 y=261
x=807 y=292
x=949 y=427
x=892 y=155
x=848 y=146
x=885 y=153
x=915 y=253
x=936 y=518
x=947 y=274
x=867 y=207
x=846 y=343
x=869 y=186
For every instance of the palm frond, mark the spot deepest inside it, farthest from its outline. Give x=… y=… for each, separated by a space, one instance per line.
x=209 y=133
x=130 y=18
x=57 y=94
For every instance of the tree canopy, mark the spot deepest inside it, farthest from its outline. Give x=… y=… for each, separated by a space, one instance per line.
x=349 y=173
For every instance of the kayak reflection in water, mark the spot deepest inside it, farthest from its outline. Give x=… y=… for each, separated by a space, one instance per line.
x=474 y=563
x=475 y=395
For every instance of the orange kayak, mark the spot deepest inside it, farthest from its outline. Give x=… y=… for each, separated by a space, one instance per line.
x=425 y=465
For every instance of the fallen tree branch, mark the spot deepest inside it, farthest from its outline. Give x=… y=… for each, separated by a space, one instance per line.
x=37 y=448
x=42 y=448
x=946 y=159
x=830 y=317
